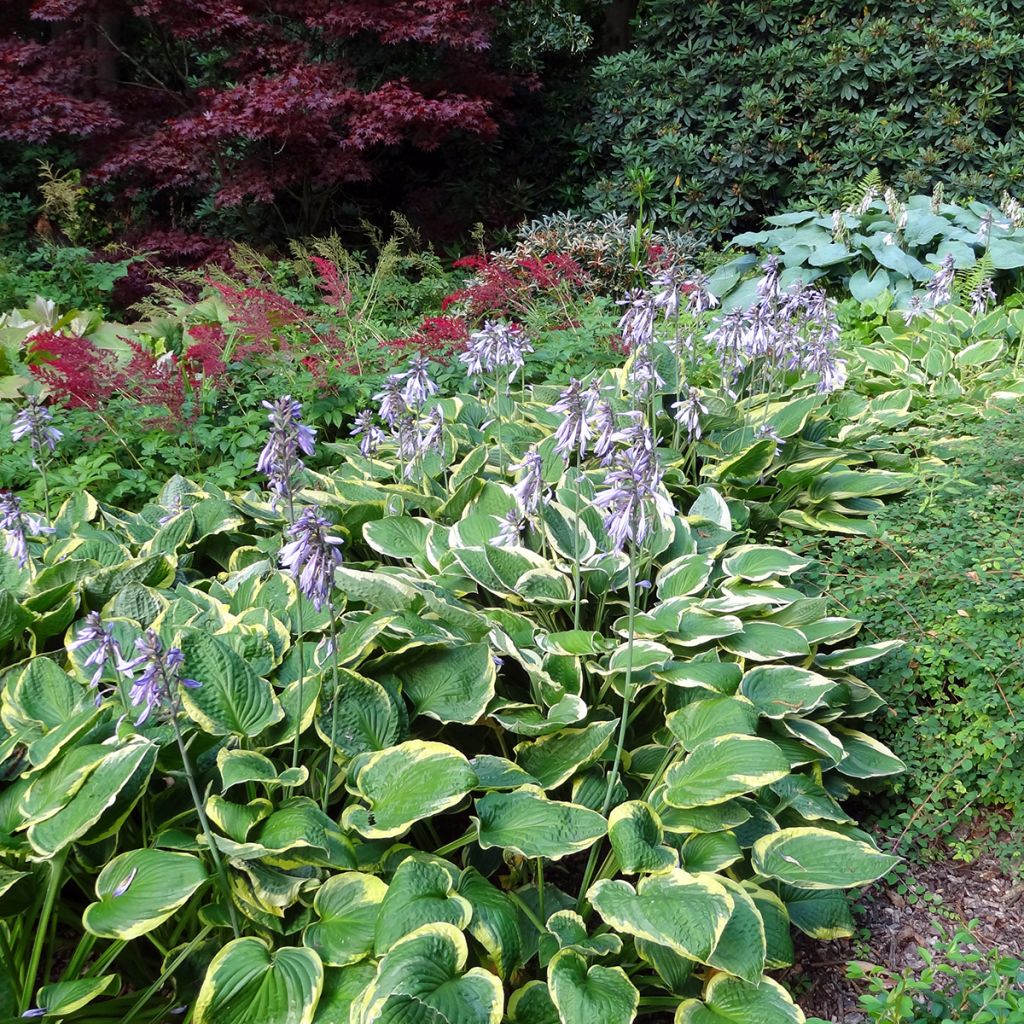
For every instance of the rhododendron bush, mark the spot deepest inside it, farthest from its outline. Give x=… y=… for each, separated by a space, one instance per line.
x=283 y=102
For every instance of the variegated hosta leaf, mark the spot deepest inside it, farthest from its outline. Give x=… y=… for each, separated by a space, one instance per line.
x=719 y=769
x=636 y=835
x=139 y=890
x=530 y=824
x=247 y=982
x=813 y=858
x=65 y=997
x=779 y=690
x=404 y=784
x=532 y=1004
x=422 y=980
x=451 y=684
x=729 y=1000
x=685 y=912
x=348 y=906
x=554 y=759
x=823 y=914
x=590 y=994
x=421 y=892
x=494 y=922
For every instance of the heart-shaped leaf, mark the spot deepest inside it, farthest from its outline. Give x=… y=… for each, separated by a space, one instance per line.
x=420 y=893
x=813 y=858
x=590 y=995
x=718 y=770
x=247 y=982
x=139 y=890
x=348 y=906
x=527 y=822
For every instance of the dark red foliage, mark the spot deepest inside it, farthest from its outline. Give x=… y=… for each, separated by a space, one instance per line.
x=248 y=100
x=336 y=289
x=438 y=337
x=259 y=314
x=500 y=288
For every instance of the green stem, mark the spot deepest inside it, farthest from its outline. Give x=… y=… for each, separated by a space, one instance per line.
x=46 y=488
x=457 y=844
x=222 y=874
x=302 y=656
x=105 y=959
x=167 y=972
x=576 y=555
x=335 y=696
x=527 y=911
x=540 y=887
x=53 y=884
x=627 y=695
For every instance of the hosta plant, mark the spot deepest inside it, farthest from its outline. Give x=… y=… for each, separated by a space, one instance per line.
x=475 y=726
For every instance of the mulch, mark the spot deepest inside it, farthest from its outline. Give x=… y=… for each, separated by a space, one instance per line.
x=983 y=891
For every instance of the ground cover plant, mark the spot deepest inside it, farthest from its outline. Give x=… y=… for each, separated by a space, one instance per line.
x=496 y=715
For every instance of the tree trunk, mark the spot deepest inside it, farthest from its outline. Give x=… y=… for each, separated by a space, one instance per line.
x=108 y=30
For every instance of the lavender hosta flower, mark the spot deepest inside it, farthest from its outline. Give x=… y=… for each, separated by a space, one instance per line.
x=290 y=438
x=312 y=555
x=668 y=289
x=768 y=286
x=940 y=287
x=17 y=525
x=155 y=673
x=575 y=404
x=981 y=295
x=729 y=339
x=371 y=437
x=631 y=493
x=408 y=440
x=700 y=299
x=418 y=385
x=767 y=430
x=637 y=323
x=107 y=649
x=688 y=413
x=174 y=509
x=34 y=422
x=496 y=346
x=530 y=489
x=392 y=400
x=914 y=310
x=513 y=525
x=432 y=438
x=606 y=423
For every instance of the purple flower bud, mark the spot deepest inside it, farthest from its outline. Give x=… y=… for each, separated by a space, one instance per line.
x=107 y=650
x=418 y=385
x=122 y=887
x=16 y=526
x=573 y=432
x=33 y=422
x=155 y=674
x=392 y=400
x=280 y=459
x=530 y=488
x=371 y=437
x=312 y=555
x=689 y=412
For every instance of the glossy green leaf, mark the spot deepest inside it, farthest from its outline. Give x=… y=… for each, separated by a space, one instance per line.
x=586 y=994
x=348 y=906
x=729 y=1000
x=421 y=892
x=451 y=684
x=527 y=822
x=719 y=769
x=814 y=858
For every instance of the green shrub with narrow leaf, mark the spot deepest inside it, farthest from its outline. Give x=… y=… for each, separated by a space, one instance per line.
x=555 y=781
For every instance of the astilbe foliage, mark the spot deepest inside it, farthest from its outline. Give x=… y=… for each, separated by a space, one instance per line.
x=269 y=102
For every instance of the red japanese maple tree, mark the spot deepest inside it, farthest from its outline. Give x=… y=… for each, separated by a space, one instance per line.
x=270 y=101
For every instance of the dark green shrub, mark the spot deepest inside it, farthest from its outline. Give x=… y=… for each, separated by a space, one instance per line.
x=740 y=107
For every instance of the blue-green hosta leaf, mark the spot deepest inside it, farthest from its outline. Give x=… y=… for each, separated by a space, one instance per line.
x=586 y=994
x=765 y=641
x=637 y=838
x=40 y=697
x=714 y=676
x=231 y=698
x=530 y=720
x=423 y=980
x=65 y=997
x=348 y=906
x=495 y=921
x=815 y=736
x=756 y=562
x=499 y=773
x=673 y=908
x=566 y=929
x=857 y=484
x=248 y=982
x=451 y=684
x=532 y=1004
x=405 y=784
x=814 y=858
x=715 y=716
x=299 y=833
x=554 y=759
x=104 y=799
x=421 y=892
x=864 y=757
x=718 y=818
x=729 y=1000
x=530 y=824
x=823 y=914
x=719 y=769
x=778 y=940
x=780 y=690
x=139 y=890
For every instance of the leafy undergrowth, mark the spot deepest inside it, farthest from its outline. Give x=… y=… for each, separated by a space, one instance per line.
x=947 y=576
